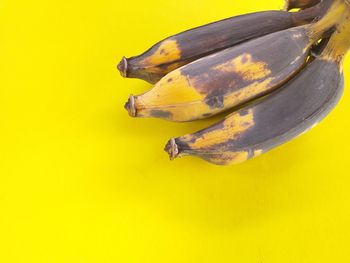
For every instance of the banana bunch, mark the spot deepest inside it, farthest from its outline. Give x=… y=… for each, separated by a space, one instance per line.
x=281 y=72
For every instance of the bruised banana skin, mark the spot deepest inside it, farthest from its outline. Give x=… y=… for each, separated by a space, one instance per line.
x=291 y=4
x=183 y=48
x=226 y=79
x=276 y=119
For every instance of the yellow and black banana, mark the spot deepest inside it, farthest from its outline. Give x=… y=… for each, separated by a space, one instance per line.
x=183 y=48
x=290 y=111
x=233 y=76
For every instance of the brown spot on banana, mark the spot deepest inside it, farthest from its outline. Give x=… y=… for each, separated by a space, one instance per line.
x=246 y=67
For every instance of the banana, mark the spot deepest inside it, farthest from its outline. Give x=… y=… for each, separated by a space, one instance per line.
x=233 y=76
x=287 y=113
x=183 y=48
x=291 y=4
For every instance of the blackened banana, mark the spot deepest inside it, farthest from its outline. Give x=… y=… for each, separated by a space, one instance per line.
x=181 y=49
x=233 y=76
x=290 y=111
x=275 y=120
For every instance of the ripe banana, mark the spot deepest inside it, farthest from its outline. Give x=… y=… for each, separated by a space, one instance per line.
x=181 y=49
x=291 y=4
x=290 y=111
x=233 y=76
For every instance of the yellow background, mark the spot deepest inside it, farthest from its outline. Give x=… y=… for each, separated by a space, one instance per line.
x=80 y=181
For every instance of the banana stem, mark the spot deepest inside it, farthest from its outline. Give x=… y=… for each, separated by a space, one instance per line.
x=331 y=19
x=339 y=44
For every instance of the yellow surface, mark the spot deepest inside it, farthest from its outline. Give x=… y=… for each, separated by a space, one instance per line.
x=81 y=181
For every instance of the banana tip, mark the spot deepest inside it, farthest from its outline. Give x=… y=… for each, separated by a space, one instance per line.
x=172 y=149
x=123 y=67
x=130 y=106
